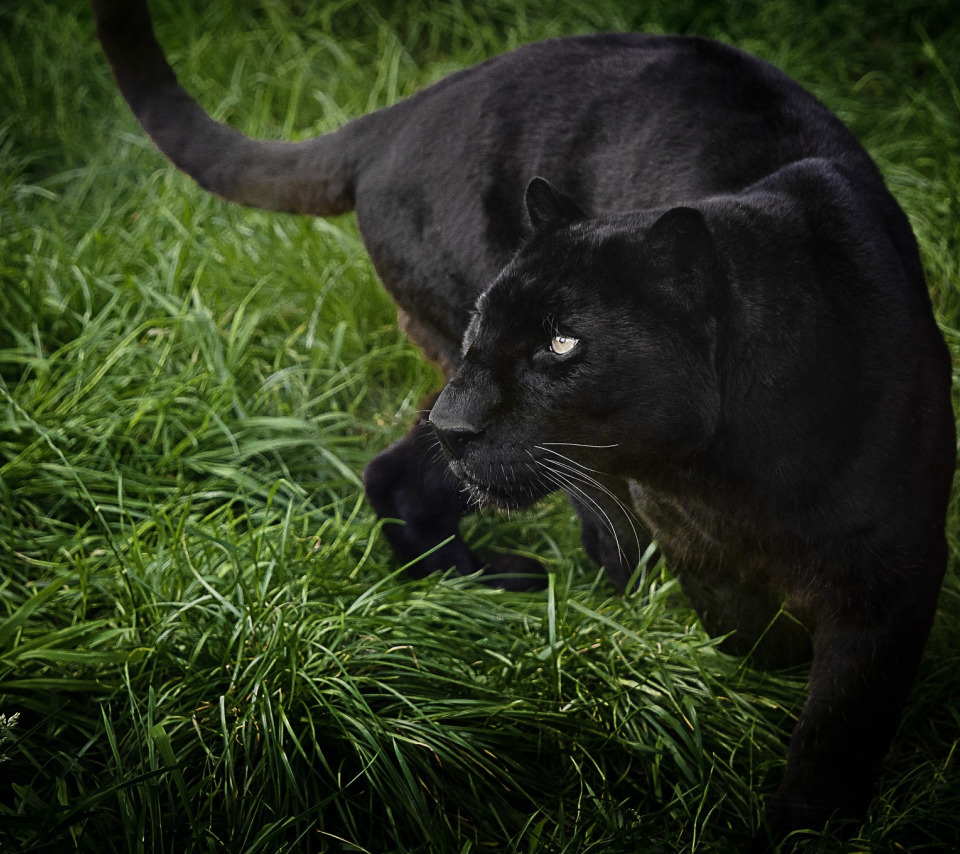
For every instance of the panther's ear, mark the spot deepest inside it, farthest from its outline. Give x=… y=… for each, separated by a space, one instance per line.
x=547 y=207
x=684 y=252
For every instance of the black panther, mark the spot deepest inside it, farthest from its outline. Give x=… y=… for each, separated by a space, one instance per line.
x=662 y=277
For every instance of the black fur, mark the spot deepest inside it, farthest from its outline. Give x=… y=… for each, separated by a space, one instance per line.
x=660 y=276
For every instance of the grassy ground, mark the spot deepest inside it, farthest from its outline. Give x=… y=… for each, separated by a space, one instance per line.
x=205 y=643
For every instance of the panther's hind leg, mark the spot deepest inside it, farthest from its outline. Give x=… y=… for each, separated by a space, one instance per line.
x=411 y=482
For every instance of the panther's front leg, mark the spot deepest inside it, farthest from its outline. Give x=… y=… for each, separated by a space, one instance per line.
x=866 y=655
x=411 y=482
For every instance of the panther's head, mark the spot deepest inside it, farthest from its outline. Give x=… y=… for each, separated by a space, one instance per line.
x=595 y=348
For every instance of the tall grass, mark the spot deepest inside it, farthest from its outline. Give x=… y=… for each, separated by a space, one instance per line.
x=205 y=643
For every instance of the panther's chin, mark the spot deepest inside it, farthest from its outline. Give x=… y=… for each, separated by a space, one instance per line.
x=515 y=495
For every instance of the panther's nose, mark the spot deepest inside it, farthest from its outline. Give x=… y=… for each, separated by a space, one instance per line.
x=454 y=436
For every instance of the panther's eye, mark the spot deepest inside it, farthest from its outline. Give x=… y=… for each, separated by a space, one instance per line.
x=562 y=344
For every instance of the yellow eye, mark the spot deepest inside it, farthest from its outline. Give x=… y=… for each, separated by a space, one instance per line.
x=561 y=344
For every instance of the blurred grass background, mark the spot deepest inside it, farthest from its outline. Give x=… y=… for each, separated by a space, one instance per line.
x=205 y=645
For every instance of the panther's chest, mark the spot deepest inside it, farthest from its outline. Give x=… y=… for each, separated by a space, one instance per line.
x=693 y=535
x=741 y=583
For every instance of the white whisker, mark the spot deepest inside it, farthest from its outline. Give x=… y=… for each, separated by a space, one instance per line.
x=579 y=466
x=599 y=512
x=565 y=482
x=579 y=471
x=577 y=445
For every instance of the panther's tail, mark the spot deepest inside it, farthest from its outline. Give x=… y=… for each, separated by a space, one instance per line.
x=313 y=177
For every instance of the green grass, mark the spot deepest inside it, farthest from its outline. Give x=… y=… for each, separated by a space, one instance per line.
x=205 y=641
